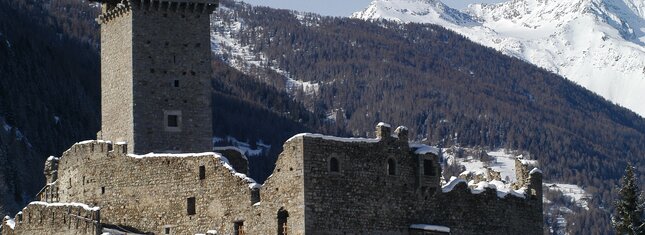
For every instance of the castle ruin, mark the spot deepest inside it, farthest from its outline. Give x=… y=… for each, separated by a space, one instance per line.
x=156 y=104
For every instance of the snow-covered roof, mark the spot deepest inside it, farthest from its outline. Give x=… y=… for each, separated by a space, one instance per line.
x=428 y=227
x=334 y=138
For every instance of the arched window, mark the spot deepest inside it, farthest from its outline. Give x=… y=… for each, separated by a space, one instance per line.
x=334 y=166
x=391 y=167
x=283 y=228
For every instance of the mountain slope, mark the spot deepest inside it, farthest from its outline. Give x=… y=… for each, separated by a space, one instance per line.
x=445 y=88
x=598 y=44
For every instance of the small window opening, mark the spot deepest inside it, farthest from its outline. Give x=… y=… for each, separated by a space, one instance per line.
x=174 y=59
x=102 y=190
x=334 y=165
x=176 y=83
x=283 y=227
x=391 y=167
x=198 y=45
x=183 y=73
x=166 y=230
x=192 y=73
x=428 y=168
x=173 y=121
x=202 y=172
x=152 y=70
x=83 y=180
x=238 y=228
x=190 y=206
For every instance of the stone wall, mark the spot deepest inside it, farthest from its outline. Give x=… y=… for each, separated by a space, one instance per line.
x=155 y=60
x=172 y=73
x=116 y=79
x=150 y=193
x=363 y=197
x=41 y=218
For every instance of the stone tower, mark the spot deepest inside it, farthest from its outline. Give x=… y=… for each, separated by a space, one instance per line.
x=155 y=74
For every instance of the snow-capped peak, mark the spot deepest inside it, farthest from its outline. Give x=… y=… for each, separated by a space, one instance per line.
x=599 y=44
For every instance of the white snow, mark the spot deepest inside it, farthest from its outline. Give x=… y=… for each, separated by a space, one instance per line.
x=59 y=204
x=226 y=45
x=10 y=222
x=599 y=44
x=334 y=138
x=424 y=149
x=502 y=161
x=245 y=148
x=451 y=184
x=51 y=158
x=251 y=182
x=94 y=141
x=434 y=228
x=535 y=170
x=383 y=124
x=574 y=192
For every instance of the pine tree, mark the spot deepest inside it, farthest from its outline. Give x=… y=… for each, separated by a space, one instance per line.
x=629 y=207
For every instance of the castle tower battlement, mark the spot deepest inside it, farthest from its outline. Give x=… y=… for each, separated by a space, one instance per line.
x=155 y=74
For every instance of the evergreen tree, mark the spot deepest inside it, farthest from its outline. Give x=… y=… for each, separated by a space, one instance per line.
x=629 y=206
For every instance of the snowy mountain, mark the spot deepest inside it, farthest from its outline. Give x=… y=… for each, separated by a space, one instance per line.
x=599 y=44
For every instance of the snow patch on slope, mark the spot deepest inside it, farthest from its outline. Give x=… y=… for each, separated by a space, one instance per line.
x=599 y=44
x=227 y=46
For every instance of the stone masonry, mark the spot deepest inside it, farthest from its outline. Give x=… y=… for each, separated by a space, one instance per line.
x=320 y=185
x=155 y=74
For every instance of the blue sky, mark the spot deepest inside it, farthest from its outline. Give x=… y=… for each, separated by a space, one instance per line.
x=341 y=7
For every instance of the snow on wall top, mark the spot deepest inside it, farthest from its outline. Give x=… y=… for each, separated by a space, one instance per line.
x=383 y=124
x=59 y=204
x=501 y=189
x=434 y=228
x=223 y=161
x=334 y=138
x=535 y=171
x=424 y=149
x=10 y=222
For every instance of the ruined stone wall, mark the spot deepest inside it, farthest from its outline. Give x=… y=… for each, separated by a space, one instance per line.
x=40 y=218
x=116 y=79
x=485 y=213
x=172 y=72
x=151 y=193
x=363 y=197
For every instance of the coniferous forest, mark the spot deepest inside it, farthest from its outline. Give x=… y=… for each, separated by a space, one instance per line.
x=446 y=89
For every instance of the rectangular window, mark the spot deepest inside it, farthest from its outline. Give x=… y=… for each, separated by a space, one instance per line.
x=173 y=121
x=202 y=172
x=166 y=231
x=102 y=190
x=190 y=206
x=176 y=83
x=429 y=168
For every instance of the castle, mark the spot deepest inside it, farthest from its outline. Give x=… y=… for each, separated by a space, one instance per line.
x=155 y=79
